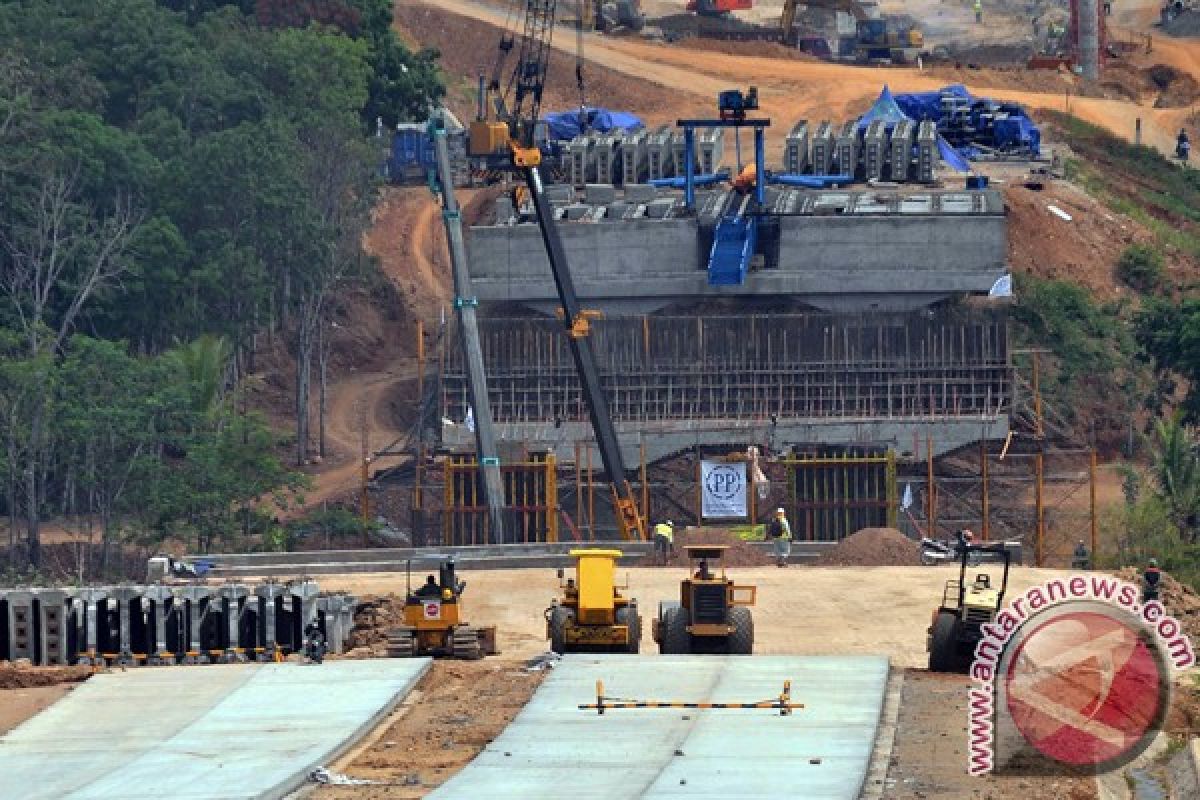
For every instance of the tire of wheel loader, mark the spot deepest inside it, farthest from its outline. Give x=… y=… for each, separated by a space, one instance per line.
x=559 y=619
x=629 y=616
x=676 y=640
x=741 y=641
x=464 y=643
x=943 y=644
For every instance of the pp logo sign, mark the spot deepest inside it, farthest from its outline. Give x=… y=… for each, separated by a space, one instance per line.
x=433 y=611
x=724 y=482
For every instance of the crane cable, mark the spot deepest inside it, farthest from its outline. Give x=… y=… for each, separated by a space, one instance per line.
x=579 y=82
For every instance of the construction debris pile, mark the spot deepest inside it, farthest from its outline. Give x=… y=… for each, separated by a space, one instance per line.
x=19 y=676
x=1180 y=601
x=740 y=553
x=873 y=547
x=374 y=616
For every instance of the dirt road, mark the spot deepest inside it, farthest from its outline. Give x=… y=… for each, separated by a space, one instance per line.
x=800 y=610
x=792 y=89
x=406 y=239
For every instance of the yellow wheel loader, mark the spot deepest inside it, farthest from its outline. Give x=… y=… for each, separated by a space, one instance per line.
x=713 y=614
x=592 y=615
x=433 y=623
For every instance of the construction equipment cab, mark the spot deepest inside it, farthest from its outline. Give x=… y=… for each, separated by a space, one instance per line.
x=968 y=603
x=718 y=8
x=732 y=104
x=592 y=614
x=433 y=621
x=712 y=615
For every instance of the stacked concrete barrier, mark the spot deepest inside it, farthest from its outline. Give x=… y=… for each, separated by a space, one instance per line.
x=162 y=624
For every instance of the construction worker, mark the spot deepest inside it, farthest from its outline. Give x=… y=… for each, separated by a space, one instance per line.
x=1081 y=559
x=430 y=589
x=965 y=538
x=1150 y=580
x=780 y=534
x=979 y=12
x=664 y=542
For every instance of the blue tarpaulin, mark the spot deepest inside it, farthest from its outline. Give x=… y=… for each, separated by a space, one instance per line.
x=566 y=124
x=928 y=105
x=887 y=109
x=951 y=157
x=1002 y=127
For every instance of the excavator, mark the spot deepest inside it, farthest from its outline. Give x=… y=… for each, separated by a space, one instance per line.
x=508 y=128
x=875 y=40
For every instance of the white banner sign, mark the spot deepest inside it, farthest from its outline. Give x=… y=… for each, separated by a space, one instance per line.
x=724 y=489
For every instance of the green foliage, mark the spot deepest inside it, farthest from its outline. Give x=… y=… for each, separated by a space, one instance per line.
x=1177 y=476
x=1169 y=332
x=214 y=167
x=1092 y=345
x=1135 y=180
x=1141 y=267
x=1163 y=521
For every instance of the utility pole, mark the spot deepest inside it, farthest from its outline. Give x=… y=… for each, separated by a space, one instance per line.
x=464 y=305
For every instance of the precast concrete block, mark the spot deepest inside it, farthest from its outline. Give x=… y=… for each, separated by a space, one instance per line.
x=89 y=617
x=660 y=162
x=633 y=158
x=21 y=643
x=600 y=194
x=901 y=145
x=233 y=599
x=53 y=628
x=608 y=159
x=710 y=150
x=847 y=149
x=927 y=151
x=270 y=598
x=166 y=609
x=336 y=611
x=874 y=147
x=198 y=603
x=581 y=160
x=795 y=149
x=126 y=601
x=823 y=144
x=4 y=640
x=640 y=193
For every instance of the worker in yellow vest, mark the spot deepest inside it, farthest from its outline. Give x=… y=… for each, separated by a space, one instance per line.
x=664 y=542
x=979 y=12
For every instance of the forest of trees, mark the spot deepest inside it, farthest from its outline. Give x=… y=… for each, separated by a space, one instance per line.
x=178 y=178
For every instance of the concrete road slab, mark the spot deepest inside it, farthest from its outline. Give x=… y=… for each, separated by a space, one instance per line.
x=206 y=732
x=821 y=751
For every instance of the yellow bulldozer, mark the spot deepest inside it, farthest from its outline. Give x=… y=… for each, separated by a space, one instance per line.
x=592 y=615
x=433 y=621
x=712 y=615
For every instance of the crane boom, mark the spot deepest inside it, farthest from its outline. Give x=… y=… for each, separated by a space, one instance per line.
x=527 y=82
